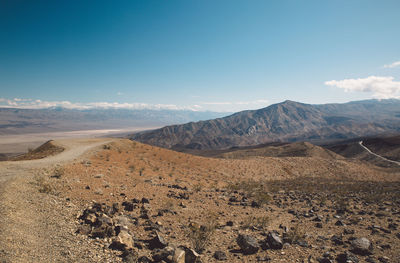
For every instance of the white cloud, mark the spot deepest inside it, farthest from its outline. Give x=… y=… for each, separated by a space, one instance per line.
x=23 y=103
x=39 y=104
x=253 y=102
x=393 y=65
x=381 y=87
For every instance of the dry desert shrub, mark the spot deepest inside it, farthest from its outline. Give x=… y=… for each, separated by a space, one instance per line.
x=43 y=185
x=255 y=190
x=200 y=235
x=259 y=222
x=294 y=234
x=58 y=172
x=197 y=187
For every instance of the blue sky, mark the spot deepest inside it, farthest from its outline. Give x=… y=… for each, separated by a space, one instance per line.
x=206 y=55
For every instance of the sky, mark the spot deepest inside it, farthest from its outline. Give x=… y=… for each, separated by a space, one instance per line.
x=218 y=55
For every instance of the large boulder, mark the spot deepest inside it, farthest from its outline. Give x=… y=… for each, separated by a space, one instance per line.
x=179 y=256
x=361 y=246
x=163 y=254
x=123 y=241
x=248 y=244
x=191 y=256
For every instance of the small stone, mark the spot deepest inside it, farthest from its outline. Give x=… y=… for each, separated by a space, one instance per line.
x=84 y=230
x=347 y=231
x=339 y=223
x=128 y=206
x=143 y=259
x=383 y=259
x=98 y=192
x=318 y=218
x=220 y=255
x=229 y=223
x=347 y=257
x=158 y=242
x=263 y=259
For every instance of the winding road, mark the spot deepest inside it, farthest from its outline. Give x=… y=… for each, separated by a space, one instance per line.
x=377 y=155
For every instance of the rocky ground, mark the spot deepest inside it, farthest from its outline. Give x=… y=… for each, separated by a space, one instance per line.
x=138 y=203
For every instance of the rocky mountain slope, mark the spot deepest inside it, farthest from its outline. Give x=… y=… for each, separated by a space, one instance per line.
x=287 y=121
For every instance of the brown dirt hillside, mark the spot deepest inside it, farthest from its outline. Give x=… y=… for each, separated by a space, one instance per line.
x=45 y=150
x=195 y=201
x=297 y=149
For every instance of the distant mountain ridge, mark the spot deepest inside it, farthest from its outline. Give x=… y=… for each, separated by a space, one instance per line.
x=20 y=121
x=288 y=121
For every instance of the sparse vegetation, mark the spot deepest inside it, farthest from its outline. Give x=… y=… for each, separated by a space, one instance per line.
x=258 y=222
x=43 y=185
x=254 y=190
x=295 y=234
x=141 y=171
x=58 y=172
x=197 y=187
x=199 y=235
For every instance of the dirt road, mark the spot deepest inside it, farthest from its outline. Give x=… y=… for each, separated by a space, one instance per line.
x=39 y=227
x=377 y=155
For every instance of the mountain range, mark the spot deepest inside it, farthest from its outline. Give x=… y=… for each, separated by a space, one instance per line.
x=288 y=121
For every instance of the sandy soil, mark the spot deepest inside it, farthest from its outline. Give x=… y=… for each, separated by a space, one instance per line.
x=38 y=227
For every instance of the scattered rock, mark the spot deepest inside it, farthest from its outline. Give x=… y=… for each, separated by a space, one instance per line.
x=191 y=256
x=162 y=254
x=347 y=257
x=157 y=242
x=274 y=241
x=248 y=244
x=131 y=256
